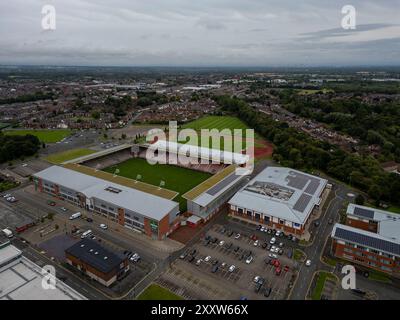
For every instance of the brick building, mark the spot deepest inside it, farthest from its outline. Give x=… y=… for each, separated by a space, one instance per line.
x=97 y=262
x=281 y=198
x=370 y=238
x=135 y=209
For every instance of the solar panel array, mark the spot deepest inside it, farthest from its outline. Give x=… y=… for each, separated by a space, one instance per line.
x=222 y=184
x=368 y=241
x=297 y=181
x=302 y=203
x=312 y=186
x=362 y=212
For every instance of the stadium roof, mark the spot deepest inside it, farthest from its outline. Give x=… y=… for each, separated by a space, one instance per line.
x=209 y=183
x=130 y=183
x=213 y=187
x=281 y=192
x=388 y=222
x=146 y=204
x=92 y=253
x=366 y=239
x=215 y=155
x=98 y=154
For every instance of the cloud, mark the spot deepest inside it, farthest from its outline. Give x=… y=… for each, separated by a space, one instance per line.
x=207 y=32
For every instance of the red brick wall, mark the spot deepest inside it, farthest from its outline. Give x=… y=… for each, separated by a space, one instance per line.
x=121 y=216
x=338 y=251
x=359 y=224
x=270 y=224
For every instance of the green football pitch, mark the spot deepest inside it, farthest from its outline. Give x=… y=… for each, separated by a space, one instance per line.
x=175 y=178
x=46 y=136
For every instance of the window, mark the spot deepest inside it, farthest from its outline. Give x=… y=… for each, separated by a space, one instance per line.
x=240 y=210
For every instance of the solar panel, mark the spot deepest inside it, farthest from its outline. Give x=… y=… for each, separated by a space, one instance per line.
x=362 y=212
x=222 y=184
x=302 y=203
x=312 y=186
x=297 y=181
x=368 y=241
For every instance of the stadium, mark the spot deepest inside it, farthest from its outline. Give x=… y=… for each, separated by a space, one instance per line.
x=121 y=185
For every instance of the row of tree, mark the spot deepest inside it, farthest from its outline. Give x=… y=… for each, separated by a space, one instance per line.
x=298 y=150
x=14 y=147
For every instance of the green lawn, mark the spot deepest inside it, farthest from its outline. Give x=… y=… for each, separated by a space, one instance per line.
x=155 y=292
x=219 y=123
x=46 y=136
x=68 y=155
x=175 y=178
x=319 y=287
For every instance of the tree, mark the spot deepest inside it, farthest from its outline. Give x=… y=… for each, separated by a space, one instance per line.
x=360 y=200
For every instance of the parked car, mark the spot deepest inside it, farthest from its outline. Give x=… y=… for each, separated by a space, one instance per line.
x=230 y=233
x=215 y=262
x=279 y=233
x=278 y=271
x=135 y=258
x=316 y=223
x=330 y=221
x=193 y=252
x=198 y=262
x=280 y=252
x=272 y=256
x=214 y=269
x=232 y=268
x=273 y=240
x=191 y=258
x=267 y=292
x=236 y=249
x=256 y=278
x=262 y=229
x=308 y=263
x=257 y=287
x=237 y=236
x=256 y=243
x=281 y=245
x=221 y=243
x=223 y=264
x=63 y=209
x=51 y=203
x=89 y=219
x=103 y=226
x=183 y=255
x=286 y=269
x=267 y=261
x=269 y=246
x=264 y=245
x=249 y=259
x=208 y=258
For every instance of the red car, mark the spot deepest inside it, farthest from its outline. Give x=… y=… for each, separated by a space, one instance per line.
x=278 y=271
x=277 y=264
x=253 y=237
x=286 y=269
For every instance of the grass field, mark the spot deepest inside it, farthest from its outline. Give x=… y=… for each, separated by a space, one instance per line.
x=219 y=123
x=68 y=155
x=319 y=287
x=175 y=178
x=46 y=136
x=155 y=292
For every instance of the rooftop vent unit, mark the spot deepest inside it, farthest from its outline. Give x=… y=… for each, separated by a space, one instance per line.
x=113 y=190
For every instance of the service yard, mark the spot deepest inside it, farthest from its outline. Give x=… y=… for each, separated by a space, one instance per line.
x=204 y=271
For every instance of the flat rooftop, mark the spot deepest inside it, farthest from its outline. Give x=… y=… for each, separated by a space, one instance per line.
x=130 y=183
x=23 y=281
x=92 y=253
x=146 y=204
x=388 y=222
x=281 y=192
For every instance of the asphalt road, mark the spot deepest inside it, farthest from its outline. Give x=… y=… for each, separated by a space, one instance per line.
x=315 y=250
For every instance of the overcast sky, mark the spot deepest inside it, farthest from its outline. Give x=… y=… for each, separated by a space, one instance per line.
x=200 y=33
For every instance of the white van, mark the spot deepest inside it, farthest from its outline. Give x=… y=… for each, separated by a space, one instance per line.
x=75 y=216
x=8 y=233
x=86 y=234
